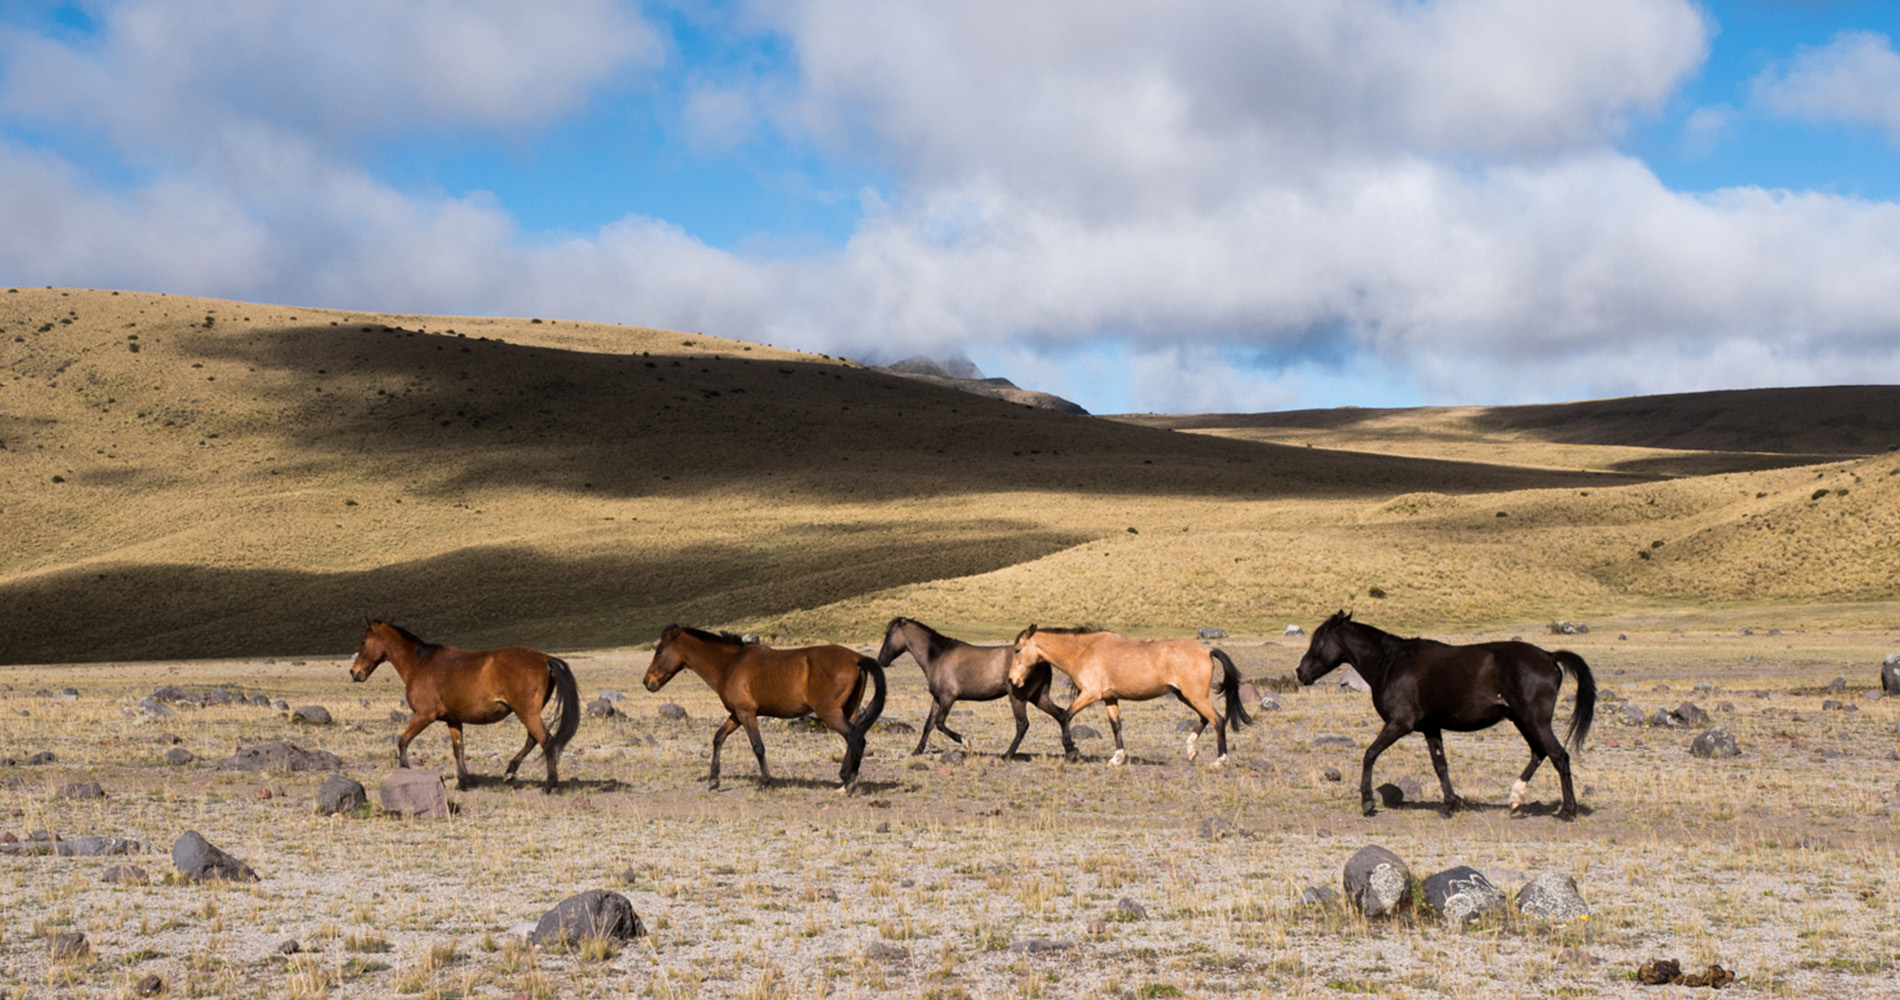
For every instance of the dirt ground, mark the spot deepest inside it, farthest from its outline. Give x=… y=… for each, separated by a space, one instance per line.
x=981 y=878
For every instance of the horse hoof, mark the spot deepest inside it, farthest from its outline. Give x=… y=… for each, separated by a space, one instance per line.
x=1220 y=761
x=1120 y=758
x=1368 y=809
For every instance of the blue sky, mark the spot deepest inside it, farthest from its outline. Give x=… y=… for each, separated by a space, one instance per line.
x=1194 y=205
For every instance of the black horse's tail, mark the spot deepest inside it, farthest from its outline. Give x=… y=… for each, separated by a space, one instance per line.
x=875 y=707
x=1586 y=696
x=1230 y=679
x=568 y=694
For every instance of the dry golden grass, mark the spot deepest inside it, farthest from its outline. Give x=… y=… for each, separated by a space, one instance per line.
x=252 y=479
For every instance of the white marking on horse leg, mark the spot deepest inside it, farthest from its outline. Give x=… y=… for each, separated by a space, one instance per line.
x=1120 y=758
x=1222 y=759
x=969 y=745
x=1192 y=749
x=1517 y=793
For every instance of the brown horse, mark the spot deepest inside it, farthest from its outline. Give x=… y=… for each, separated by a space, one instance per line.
x=1108 y=668
x=753 y=680
x=460 y=687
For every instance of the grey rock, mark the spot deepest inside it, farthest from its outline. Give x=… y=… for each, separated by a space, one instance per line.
x=67 y=945
x=600 y=708
x=1349 y=680
x=289 y=946
x=152 y=708
x=1332 y=774
x=1837 y=686
x=878 y=951
x=43 y=757
x=1331 y=740
x=1631 y=715
x=1318 y=895
x=1211 y=633
x=151 y=985
x=1691 y=714
x=1376 y=882
x=312 y=715
x=398 y=716
x=1717 y=742
x=609 y=694
x=1130 y=909
x=1568 y=628
x=1187 y=725
x=179 y=756
x=1831 y=705
x=1269 y=702
x=1663 y=720
x=196 y=858
x=411 y=792
x=1462 y=895
x=1217 y=828
x=280 y=705
x=260 y=701
x=1890 y=674
x=341 y=794
x=81 y=790
x=125 y=874
x=952 y=757
x=672 y=712
x=1703 y=687
x=97 y=847
x=1293 y=632
x=1084 y=733
x=596 y=913
x=280 y=756
x=1551 y=896
x=895 y=726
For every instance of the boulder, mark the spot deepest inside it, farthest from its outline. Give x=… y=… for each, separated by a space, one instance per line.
x=600 y=708
x=1717 y=742
x=279 y=756
x=179 y=756
x=411 y=792
x=196 y=859
x=81 y=790
x=1269 y=702
x=341 y=794
x=1376 y=881
x=1461 y=895
x=596 y=913
x=1630 y=715
x=1552 y=896
x=1890 y=674
x=311 y=715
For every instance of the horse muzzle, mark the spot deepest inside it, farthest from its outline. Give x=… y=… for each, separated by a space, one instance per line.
x=358 y=676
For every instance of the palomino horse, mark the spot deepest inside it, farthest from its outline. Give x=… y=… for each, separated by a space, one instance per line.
x=958 y=671
x=460 y=687
x=1108 y=668
x=1428 y=686
x=752 y=680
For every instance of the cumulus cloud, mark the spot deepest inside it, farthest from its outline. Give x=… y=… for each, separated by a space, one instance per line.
x=1854 y=79
x=1200 y=205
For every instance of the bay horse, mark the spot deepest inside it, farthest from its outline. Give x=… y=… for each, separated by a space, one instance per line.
x=753 y=680
x=460 y=687
x=959 y=671
x=1109 y=668
x=1428 y=686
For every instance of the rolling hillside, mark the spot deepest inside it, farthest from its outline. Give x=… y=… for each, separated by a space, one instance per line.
x=190 y=477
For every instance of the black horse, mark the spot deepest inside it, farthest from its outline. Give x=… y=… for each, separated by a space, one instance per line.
x=958 y=671
x=1428 y=686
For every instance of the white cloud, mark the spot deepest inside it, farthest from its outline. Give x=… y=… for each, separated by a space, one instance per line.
x=1853 y=79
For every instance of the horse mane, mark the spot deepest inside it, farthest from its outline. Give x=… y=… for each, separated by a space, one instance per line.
x=424 y=648
x=1071 y=630
x=935 y=642
x=718 y=638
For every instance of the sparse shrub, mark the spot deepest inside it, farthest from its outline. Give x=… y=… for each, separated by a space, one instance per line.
x=1818 y=494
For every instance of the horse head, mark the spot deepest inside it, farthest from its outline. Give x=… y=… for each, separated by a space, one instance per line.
x=1326 y=650
x=371 y=653
x=896 y=641
x=1024 y=654
x=667 y=659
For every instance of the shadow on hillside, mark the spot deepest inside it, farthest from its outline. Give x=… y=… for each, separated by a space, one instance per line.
x=552 y=603
x=475 y=411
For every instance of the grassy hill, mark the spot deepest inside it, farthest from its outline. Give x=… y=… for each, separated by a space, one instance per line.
x=192 y=477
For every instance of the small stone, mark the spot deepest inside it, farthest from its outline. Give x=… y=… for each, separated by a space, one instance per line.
x=1217 y=828
x=1318 y=895
x=1129 y=909
x=672 y=712
x=179 y=756
x=280 y=756
x=950 y=757
x=312 y=715
x=67 y=945
x=1187 y=725
x=43 y=757
x=125 y=874
x=289 y=946
x=341 y=794
x=1084 y=733
x=609 y=694
x=398 y=716
x=596 y=913
x=1332 y=740
x=81 y=790
x=196 y=858
x=878 y=951
x=1663 y=720
x=1376 y=881
x=1837 y=686
x=1332 y=774
x=151 y=985
x=1269 y=702
x=1211 y=633
x=600 y=708
x=1037 y=945
x=1690 y=714
x=1717 y=742
x=1831 y=705
x=1293 y=631
x=1659 y=972
x=1552 y=896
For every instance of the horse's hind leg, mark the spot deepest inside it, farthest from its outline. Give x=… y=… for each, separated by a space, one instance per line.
x=515 y=764
x=1062 y=717
x=751 y=723
x=538 y=733
x=1207 y=715
x=930 y=720
x=1021 y=710
x=1544 y=743
x=1115 y=723
x=719 y=739
x=943 y=715
x=1435 y=739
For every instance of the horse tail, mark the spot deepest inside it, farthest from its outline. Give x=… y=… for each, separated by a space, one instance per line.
x=1586 y=696
x=875 y=707
x=1230 y=680
x=568 y=694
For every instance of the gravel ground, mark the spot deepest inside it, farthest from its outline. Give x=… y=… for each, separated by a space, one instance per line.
x=976 y=878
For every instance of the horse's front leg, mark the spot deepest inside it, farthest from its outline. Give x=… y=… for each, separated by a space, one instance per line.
x=417 y=724
x=1435 y=739
x=515 y=764
x=1115 y=723
x=943 y=723
x=719 y=739
x=750 y=721
x=1083 y=699
x=461 y=764
x=930 y=720
x=1387 y=736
